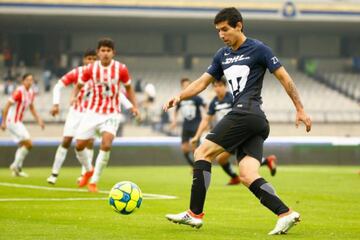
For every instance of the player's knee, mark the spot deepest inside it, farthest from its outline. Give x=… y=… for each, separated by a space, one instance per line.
x=247 y=177
x=80 y=146
x=66 y=143
x=106 y=145
x=28 y=144
x=203 y=152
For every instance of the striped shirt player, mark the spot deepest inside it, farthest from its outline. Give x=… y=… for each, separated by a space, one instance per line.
x=75 y=114
x=105 y=78
x=21 y=100
x=13 y=113
x=104 y=97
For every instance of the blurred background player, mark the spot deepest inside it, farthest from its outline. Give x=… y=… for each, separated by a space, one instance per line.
x=191 y=115
x=21 y=99
x=74 y=116
x=105 y=77
x=219 y=106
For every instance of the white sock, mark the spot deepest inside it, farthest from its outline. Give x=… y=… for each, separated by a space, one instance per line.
x=90 y=152
x=82 y=156
x=101 y=162
x=20 y=155
x=59 y=159
x=263 y=160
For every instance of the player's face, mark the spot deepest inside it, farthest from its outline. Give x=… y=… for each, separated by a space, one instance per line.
x=105 y=55
x=228 y=34
x=185 y=84
x=28 y=81
x=89 y=59
x=220 y=89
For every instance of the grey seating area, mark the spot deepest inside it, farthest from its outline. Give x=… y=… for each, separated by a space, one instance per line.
x=322 y=103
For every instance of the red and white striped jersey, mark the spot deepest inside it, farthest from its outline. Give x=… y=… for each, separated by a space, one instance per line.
x=104 y=87
x=73 y=77
x=21 y=99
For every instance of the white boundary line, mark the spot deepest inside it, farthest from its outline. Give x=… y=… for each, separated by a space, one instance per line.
x=49 y=199
x=148 y=196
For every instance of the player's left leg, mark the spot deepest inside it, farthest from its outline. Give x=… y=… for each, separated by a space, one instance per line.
x=223 y=160
x=250 y=156
x=24 y=148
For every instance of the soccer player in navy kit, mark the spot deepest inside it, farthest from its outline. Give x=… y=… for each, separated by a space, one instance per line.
x=191 y=112
x=219 y=106
x=243 y=62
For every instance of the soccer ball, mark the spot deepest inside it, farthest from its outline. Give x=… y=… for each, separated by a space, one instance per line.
x=125 y=197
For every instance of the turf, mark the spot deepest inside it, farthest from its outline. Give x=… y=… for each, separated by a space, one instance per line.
x=326 y=197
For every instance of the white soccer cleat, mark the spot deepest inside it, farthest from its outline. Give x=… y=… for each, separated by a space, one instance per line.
x=186 y=218
x=51 y=180
x=14 y=170
x=284 y=223
x=23 y=174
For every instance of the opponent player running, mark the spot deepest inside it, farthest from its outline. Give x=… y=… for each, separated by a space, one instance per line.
x=74 y=116
x=219 y=106
x=191 y=113
x=244 y=129
x=105 y=77
x=21 y=99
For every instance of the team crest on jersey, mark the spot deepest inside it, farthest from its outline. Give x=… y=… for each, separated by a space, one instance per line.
x=235 y=59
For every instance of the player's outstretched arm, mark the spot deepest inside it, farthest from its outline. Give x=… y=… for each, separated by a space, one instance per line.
x=56 y=98
x=4 y=114
x=289 y=85
x=193 y=89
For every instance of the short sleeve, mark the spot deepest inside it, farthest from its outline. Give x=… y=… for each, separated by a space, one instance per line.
x=270 y=61
x=215 y=69
x=124 y=75
x=70 y=77
x=86 y=76
x=16 y=96
x=211 y=110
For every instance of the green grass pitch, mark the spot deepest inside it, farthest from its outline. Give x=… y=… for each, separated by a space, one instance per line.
x=328 y=199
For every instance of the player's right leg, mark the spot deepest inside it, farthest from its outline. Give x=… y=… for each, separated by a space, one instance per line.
x=21 y=136
x=60 y=156
x=204 y=154
x=223 y=160
x=72 y=122
x=186 y=147
x=84 y=135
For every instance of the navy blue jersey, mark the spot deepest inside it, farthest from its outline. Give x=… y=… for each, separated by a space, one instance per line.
x=220 y=108
x=190 y=110
x=244 y=71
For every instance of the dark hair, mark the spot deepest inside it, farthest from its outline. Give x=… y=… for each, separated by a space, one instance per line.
x=25 y=76
x=106 y=42
x=184 y=80
x=231 y=15
x=220 y=81
x=89 y=52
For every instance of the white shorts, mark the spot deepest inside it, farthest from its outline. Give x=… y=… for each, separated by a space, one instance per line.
x=72 y=122
x=18 y=131
x=91 y=122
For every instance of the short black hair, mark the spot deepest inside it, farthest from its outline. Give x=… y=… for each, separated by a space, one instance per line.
x=106 y=42
x=25 y=76
x=184 y=79
x=231 y=15
x=89 y=52
x=219 y=81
